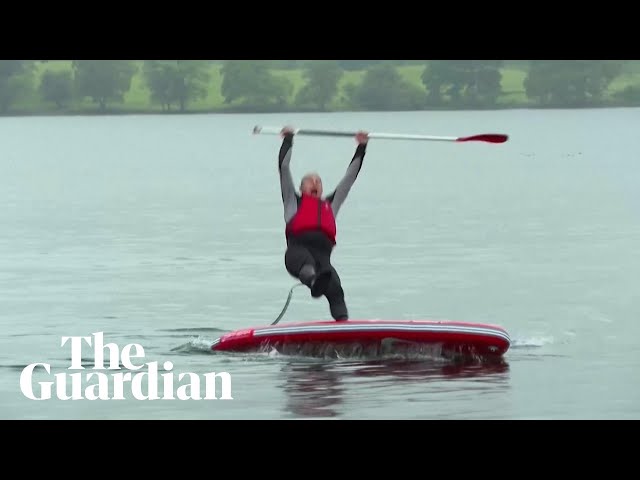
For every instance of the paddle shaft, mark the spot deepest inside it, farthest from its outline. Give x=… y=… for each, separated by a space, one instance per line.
x=486 y=137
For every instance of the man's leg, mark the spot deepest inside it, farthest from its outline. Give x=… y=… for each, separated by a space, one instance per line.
x=335 y=296
x=301 y=264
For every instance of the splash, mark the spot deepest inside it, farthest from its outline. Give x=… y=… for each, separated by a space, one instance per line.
x=197 y=344
x=532 y=342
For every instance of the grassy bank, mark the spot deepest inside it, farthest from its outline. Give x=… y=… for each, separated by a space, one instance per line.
x=137 y=98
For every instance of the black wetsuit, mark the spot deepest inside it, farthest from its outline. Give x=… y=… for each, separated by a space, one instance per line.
x=309 y=253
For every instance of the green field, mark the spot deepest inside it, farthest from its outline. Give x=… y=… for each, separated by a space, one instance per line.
x=137 y=98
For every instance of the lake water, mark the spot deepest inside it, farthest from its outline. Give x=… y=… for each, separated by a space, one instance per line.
x=167 y=231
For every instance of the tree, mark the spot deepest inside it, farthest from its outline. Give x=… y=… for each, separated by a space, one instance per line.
x=176 y=81
x=16 y=78
x=570 y=83
x=466 y=82
x=384 y=89
x=254 y=83
x=57 y=87
x=103 y=80
x=322 y=84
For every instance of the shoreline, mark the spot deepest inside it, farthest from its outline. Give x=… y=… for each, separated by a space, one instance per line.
x=244 y=111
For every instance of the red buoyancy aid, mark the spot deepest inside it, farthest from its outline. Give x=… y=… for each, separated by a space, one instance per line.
x=313 y=214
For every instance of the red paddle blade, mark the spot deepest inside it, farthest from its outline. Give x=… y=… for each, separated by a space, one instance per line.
x=485 y=137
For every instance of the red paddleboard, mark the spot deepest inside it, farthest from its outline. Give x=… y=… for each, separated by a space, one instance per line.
x=449 y=336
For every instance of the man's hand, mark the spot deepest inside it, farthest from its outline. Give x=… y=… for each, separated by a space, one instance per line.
x=362 y=137
x=287 y=131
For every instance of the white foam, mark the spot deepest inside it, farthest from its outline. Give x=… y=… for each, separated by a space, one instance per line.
x=524 y=342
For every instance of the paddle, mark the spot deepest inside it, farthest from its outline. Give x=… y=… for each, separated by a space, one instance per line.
x=484 y=137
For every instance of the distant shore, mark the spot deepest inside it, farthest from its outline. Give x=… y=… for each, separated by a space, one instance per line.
x=123 y=113
x=137 y=98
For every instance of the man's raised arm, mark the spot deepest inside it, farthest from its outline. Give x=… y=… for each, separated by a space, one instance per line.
x=339 y=195
x=287 y=187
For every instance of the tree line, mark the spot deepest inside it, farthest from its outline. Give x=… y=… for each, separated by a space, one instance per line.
x=260 y=86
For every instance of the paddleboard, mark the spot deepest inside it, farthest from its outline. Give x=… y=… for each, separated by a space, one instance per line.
x=450 y=337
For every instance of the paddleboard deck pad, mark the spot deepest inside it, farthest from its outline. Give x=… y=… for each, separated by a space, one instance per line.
x=445 y=338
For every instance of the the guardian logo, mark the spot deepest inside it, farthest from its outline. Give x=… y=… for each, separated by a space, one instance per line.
x=97 y=384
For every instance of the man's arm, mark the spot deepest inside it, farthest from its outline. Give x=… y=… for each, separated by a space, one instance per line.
x=339 y=195
x=287 y=187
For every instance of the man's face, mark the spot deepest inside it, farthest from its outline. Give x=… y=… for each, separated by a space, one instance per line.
x=311 y=185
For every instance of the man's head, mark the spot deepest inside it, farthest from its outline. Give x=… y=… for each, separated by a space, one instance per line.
x=311 y=184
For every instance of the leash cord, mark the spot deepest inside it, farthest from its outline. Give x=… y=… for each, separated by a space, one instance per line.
x=286 y=305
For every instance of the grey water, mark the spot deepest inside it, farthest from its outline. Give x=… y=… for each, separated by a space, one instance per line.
x=167 y=231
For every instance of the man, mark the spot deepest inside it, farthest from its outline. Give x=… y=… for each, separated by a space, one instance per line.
x=311 y=225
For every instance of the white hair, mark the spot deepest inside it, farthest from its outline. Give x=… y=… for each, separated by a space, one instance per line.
x=308 y=175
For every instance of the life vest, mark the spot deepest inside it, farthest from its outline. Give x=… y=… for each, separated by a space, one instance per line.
x=313 y=214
